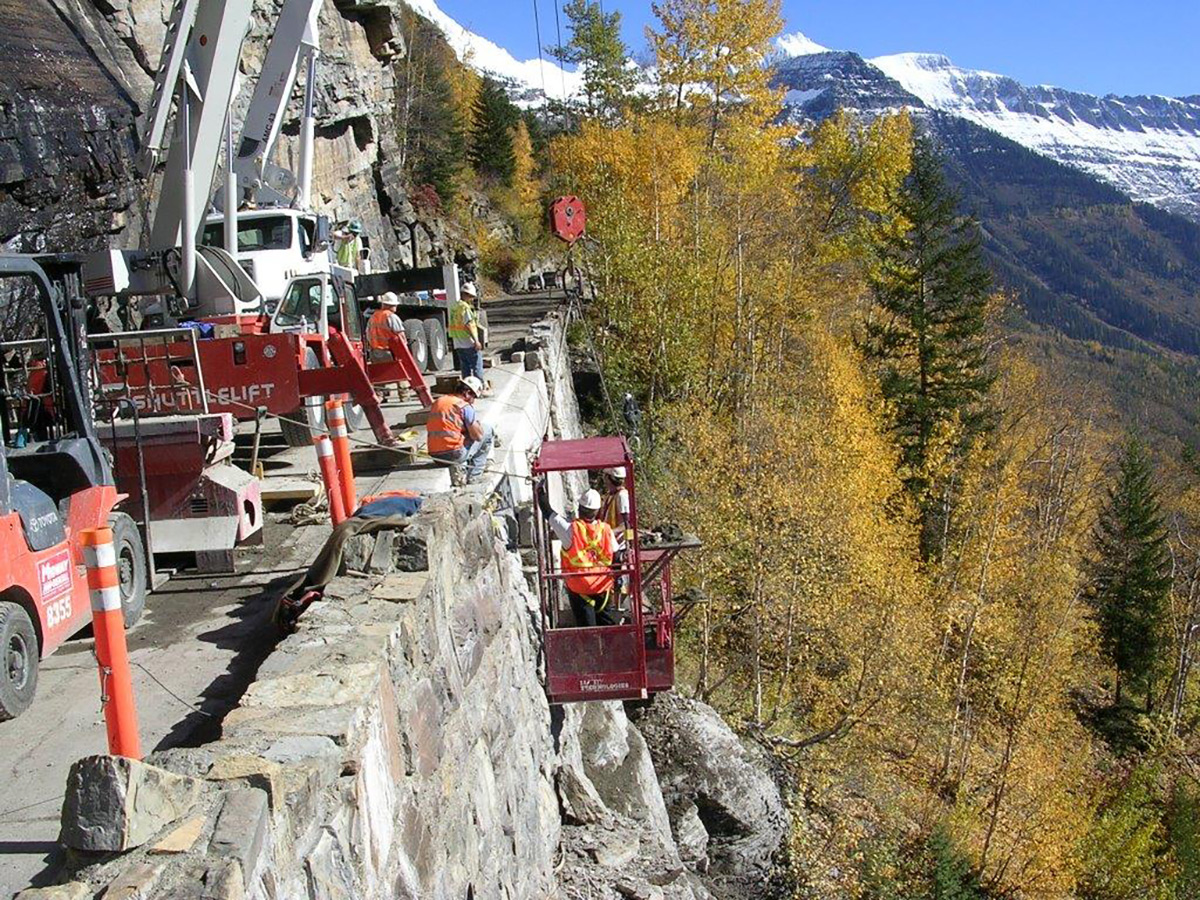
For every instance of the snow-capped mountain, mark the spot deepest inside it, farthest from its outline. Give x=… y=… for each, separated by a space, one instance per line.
x=1147 y=147
x=531 y=79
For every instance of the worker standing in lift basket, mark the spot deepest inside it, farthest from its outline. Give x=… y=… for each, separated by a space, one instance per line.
x=589 y=548
x=464 y=333
x=456 y=435
x=616 y=503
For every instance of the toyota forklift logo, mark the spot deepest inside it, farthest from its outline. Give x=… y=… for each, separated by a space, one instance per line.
x=54 y=575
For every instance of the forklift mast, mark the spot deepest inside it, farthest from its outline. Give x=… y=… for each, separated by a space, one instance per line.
x=56 y=285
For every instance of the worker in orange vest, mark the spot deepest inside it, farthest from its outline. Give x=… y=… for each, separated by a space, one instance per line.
x=589 y=549
x=383 y=326
x=456 y=435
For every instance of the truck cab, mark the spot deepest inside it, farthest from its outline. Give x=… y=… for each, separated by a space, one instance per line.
x=315 y=302
x=274 y=246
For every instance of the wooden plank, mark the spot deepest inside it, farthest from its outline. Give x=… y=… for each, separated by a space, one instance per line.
x=280 y=490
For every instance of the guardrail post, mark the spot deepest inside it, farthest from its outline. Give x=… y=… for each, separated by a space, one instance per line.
x=333 y=490
x=112 y=655
x=335 y=418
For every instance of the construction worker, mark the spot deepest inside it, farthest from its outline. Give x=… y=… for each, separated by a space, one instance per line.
x=589 y=548
x=456 y=435
x=383 y=325
x=464 y=333
x=616 y=503
x=348 y=244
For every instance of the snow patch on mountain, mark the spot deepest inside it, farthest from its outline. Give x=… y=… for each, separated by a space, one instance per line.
x=535 y=77
x=1148 y=147
x=798 y=44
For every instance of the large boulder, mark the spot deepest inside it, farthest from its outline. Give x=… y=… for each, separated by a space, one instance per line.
x=707 y=773
x=114 y=803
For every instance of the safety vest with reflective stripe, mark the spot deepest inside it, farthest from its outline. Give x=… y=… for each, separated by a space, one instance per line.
x=380 y=330
x=445 y=424
x=348 y=252
x=589 y=558
x=461 y=316
x=611 y=512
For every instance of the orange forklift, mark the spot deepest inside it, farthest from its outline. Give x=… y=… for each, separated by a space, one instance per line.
x=55 y=481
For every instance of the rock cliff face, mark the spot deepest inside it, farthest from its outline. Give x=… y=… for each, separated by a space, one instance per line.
x=80 y=73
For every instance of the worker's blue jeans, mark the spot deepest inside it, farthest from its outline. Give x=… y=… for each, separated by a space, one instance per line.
x=474 y=455
x=470 y=362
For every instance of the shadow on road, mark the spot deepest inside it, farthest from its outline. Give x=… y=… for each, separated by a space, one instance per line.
x=252 y=636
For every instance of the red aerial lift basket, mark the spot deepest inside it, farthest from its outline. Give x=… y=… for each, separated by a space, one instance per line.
x=627 y=661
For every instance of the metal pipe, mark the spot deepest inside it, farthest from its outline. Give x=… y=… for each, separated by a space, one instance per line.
x=187 y=232
x=231 y=191
x=147 y=540
x=307 y=134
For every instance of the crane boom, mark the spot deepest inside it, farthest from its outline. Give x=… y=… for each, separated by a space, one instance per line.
x=205 y=75
x=295 y=37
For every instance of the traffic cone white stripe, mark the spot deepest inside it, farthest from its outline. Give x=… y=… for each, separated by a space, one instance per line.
x=99 y=556
x=106 y=599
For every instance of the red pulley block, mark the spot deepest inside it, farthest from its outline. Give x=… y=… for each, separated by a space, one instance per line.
x=568 y=218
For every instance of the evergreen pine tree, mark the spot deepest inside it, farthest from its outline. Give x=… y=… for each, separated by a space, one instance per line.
x=492 y=138
x=927 y=335
x=431 y=141
x=596 y=47
x=1131 y=575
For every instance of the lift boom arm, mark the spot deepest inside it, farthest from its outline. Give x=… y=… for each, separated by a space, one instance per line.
x=199 y=64
x=295 y=38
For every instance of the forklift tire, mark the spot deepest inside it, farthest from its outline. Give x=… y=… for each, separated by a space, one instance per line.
x=439 y=348
x=20 y=655
x=132 y=570
x=418 y=345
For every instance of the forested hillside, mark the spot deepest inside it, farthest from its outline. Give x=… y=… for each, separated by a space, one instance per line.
x=948 y=584
x=1080 y=260
x=928 y=400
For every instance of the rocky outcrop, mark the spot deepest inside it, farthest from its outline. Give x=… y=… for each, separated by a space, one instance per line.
x=78 y=75
x=726 y=812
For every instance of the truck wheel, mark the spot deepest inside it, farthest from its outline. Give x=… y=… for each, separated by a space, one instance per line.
x=131 y=566
x=297 y=426
x=417 y=343
x=356 y=416
x=483 y=329
x=439 y=349
x=19 y=654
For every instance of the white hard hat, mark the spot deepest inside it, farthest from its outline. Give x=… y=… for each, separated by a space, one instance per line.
x=390 y=299
x=468 y=287
x=590 y=500
x=616 y=472
x=473 y=383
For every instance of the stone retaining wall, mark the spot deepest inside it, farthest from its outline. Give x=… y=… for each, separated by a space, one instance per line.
x=399 y=745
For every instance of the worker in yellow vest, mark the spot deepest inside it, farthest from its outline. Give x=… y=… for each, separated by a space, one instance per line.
x=589 y=549
x=464 y=333
x=384 y=325
x=615 y=510
x=456 y=435
x=348 y=245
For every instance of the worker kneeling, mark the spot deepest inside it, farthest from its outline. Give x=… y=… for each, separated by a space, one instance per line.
x=455 y=434
x=589 y=549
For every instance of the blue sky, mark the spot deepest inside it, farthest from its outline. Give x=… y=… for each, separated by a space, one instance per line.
x=1098 y=46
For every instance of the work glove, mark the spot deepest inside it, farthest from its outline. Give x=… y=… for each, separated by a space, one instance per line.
x=542 y=492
